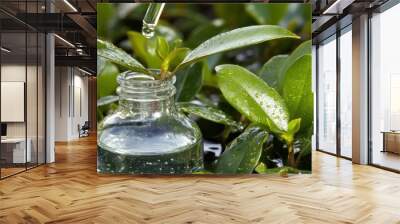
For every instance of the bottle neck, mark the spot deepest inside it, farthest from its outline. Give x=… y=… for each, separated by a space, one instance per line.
x=147 y=107
x=144 y=96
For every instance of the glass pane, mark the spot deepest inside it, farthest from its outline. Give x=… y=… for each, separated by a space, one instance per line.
x=327 y=96
x=385 y=86
x=314 y=79
x=31 y=97
x=13 y=86
x=41 y=98
x=346 y=94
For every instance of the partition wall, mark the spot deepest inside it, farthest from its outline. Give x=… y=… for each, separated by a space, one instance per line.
x=23 y=87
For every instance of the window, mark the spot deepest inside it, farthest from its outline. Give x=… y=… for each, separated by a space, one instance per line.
x=327 y=95
x=385 y=89
x=22 y=101
x=346 y=92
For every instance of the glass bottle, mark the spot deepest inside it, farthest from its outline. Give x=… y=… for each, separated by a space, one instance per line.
x=147 y=134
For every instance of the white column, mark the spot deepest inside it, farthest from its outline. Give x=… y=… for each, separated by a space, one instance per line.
x=50 y=109
x=360 y=90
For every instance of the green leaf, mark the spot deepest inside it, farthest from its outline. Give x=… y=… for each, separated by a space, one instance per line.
x=188 y=82
x=270 y=72
x=297 y=90
x=176 y=43
x=306 y=112
x=145 y=49
x=279 y=67
x=209 y=113
x=294 y=126
x=118 y=56
x=107 y=80
x=261 y=168
x=252 y=97
x=303 y=49
x=174 y=58
x=162 y=47
x=237 y=38
x=243 y=154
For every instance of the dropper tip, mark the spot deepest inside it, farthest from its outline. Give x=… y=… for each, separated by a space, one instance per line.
x=148 y=30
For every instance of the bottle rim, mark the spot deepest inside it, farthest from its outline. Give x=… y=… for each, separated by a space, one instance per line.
x=131 y=82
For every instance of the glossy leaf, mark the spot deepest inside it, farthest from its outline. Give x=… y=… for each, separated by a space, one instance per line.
x=297 y=90
x=176 y=44
x=145 y=49
x=280 y=66
x=303 y=49
x=243 y=154
x=209 y=113
x=252 y=97
x=188 y=82
x=162 y=47
x=107 y=80
x=306 y=112
x=118 y=56
x=293 y=128
x=271 y=71
x=174 y=58
x=237 y=38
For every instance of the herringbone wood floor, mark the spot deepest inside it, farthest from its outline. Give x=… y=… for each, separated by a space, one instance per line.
x=70 y=191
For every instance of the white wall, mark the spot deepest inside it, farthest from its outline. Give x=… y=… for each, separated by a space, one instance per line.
x=71 y=93
x=33 y=126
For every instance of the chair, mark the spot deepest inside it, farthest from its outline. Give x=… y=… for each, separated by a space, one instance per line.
x=84 y=130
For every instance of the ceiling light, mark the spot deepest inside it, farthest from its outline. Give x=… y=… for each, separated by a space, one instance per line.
x=84 y=71
x=65 y=41
x=70 y=5
x=337 y=7
x=5 y=49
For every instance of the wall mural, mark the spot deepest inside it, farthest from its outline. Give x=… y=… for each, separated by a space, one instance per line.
x=204 y=88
